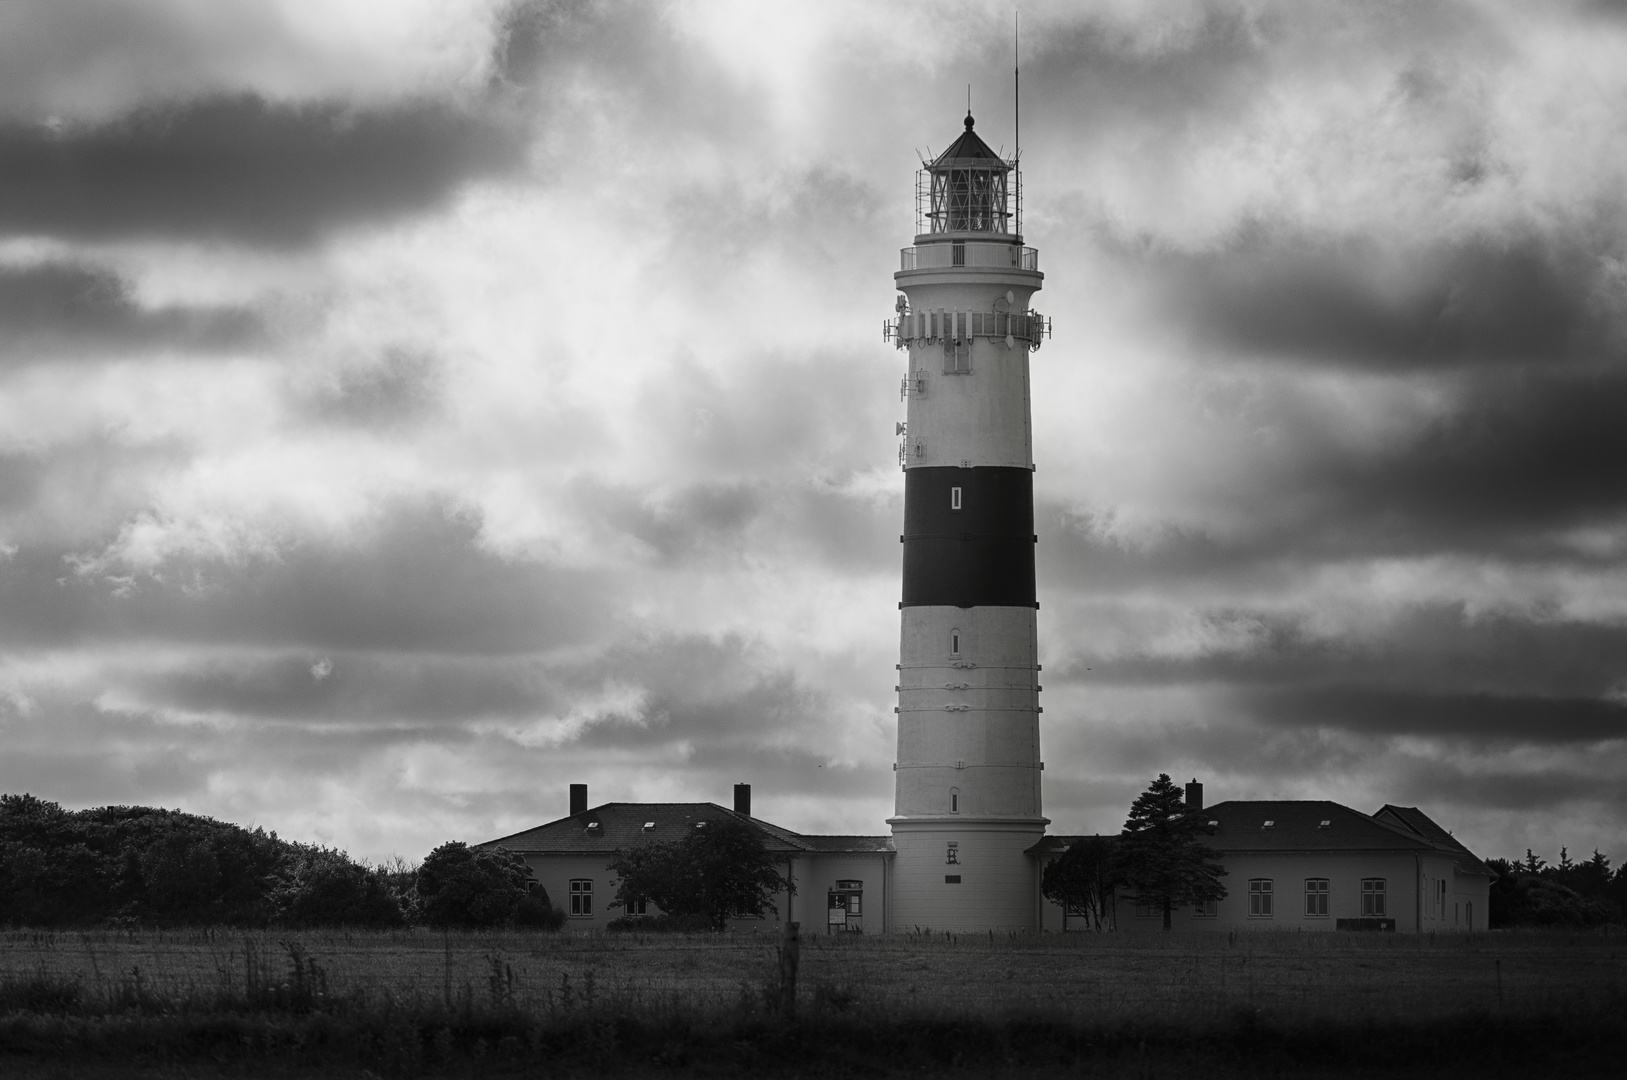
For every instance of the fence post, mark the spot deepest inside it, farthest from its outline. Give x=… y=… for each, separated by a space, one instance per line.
x=790 y=952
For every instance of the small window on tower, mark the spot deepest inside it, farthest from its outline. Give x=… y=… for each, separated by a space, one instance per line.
x=954 y=800
x=954 y=498
x=954 y=642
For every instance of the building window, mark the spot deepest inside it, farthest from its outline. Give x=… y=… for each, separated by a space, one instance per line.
x=951 y=879
x=1316 y=896
x=850 y=895
x=953 y=855
x=954 y=642
x=1145 y=909
x=1205 y=910
x=1440 y=894
x=954 y=800
x=1372 y=897
x=582 y=897
x=1259 y=898
x=638 y=907
x=954 y=498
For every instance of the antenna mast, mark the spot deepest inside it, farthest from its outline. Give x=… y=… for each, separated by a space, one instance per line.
x=1017 y=81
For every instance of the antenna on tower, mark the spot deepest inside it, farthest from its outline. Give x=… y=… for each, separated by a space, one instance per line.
x=1017 y=80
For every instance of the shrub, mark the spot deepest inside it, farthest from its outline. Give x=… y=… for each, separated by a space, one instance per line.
x=461 y=886
x=320 y=887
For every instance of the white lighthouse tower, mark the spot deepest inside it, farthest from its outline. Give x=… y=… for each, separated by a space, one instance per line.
x=968 y=769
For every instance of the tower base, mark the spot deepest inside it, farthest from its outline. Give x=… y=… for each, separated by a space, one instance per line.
x=993 y=884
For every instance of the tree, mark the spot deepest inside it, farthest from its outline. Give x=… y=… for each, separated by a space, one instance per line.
x=720 y=870
x=461 y=886
x=320 y=887
x=1162 y=859
x=1085 y=878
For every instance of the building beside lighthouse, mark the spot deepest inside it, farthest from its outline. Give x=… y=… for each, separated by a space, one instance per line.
x=968 y=848
x=967 y=776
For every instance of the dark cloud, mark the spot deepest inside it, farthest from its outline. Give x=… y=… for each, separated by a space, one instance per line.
x=1525 y=454
x=416 y=580
x=403 y=697
x=705 y=522
x=1488 y=719
x=64 y=748
x=241 y=168
x=1089 y=71
x=1519 y=460
x=62 y=492
x=1358 y=303
x=721 y=691
x=1439 y=646
x=57 y=310
x=402 y=386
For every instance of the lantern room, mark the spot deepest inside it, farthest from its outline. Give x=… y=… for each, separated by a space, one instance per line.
x=968 y=189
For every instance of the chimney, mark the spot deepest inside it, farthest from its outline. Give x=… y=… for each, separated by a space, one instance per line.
x=579 y=799
x=742 y=799
x=1194 y=795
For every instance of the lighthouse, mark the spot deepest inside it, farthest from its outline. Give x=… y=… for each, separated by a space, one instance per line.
x=967 y=788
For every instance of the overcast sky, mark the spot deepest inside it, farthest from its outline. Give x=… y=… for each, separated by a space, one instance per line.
x=409 y=409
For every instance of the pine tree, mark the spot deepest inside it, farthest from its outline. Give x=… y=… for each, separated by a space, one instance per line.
x=1163 y=859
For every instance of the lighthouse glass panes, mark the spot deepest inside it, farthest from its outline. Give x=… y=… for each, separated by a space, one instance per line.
x=968 y=770
x=969 y=189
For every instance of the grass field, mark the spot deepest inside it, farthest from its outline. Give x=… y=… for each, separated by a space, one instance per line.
x=417 y=1002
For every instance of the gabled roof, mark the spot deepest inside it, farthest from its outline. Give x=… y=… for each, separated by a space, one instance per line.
x=1298 y=826
x=623 y=825
x=1419 y=823
x=856 y=844
x=969 y=148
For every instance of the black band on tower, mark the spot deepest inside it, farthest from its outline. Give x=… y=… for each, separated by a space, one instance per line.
x=979 y=554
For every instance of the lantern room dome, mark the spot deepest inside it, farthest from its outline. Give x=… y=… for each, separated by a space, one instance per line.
x=970 y=147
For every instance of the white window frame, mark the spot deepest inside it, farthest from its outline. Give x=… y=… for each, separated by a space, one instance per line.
x=1374 y=898
x=954 y=498
x=1316 y=897
x=1260 y=893
x=581 y=890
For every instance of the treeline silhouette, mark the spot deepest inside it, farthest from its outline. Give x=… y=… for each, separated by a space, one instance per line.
x=1530 y=892
x=141 y=866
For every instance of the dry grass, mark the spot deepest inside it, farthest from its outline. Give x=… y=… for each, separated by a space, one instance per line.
x=112 y=1004
x=1169 y=976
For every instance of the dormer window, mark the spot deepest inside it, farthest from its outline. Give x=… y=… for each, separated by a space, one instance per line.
x=649 y=825
x=1269 y=825
x=1324 y=824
